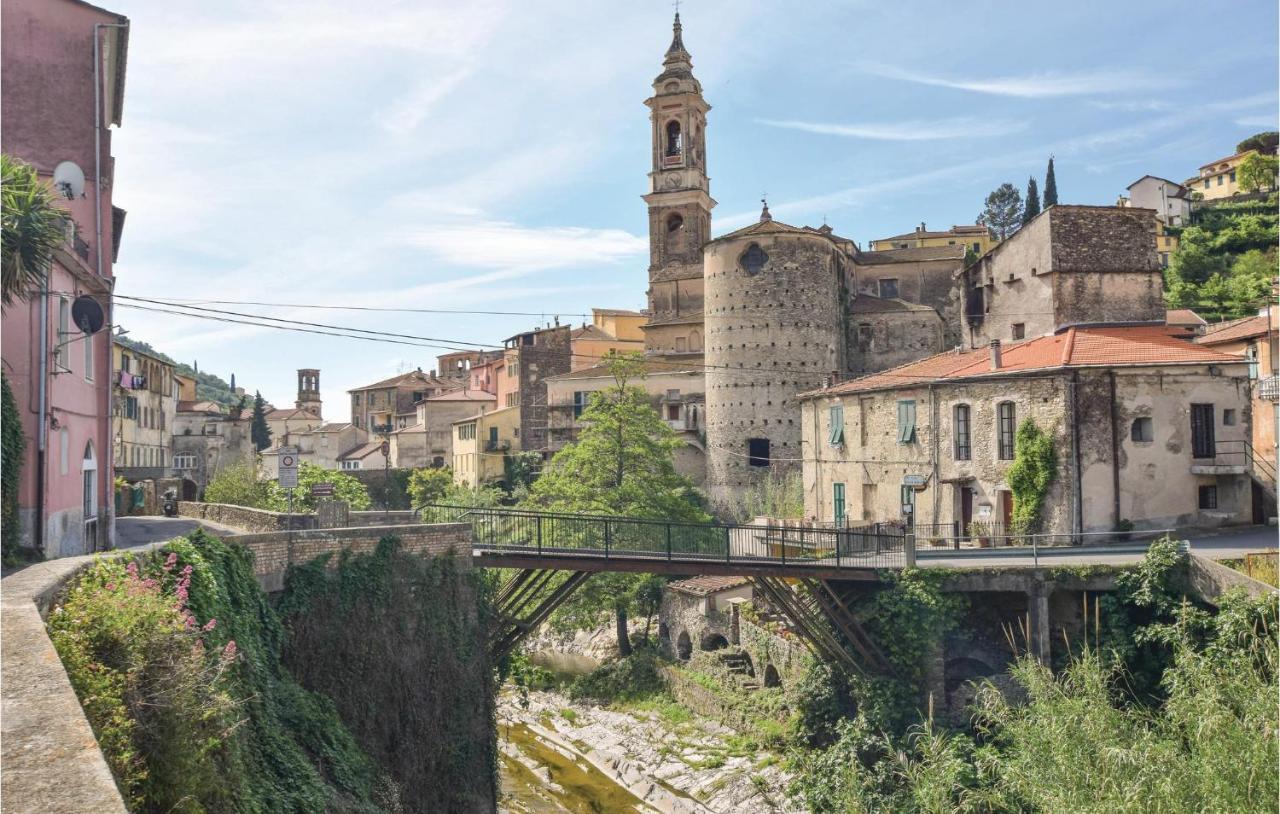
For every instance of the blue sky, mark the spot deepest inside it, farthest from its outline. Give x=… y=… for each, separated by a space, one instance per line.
x=491 y=154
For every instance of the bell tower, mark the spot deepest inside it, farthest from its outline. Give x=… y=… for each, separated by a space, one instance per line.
x=309 y=391
x=680 y=206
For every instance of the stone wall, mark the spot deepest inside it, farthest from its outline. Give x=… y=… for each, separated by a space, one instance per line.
x=885 y=334
x=242 y=517
x=550 y=355
x=930 y=283
x=376 y=518
x=273 y=552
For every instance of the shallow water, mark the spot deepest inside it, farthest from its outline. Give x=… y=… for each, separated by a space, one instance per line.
x=574 y=787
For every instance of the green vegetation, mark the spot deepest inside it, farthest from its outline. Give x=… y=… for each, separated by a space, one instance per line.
x=33 y=229
x=775 y=495
x=1032 y=206
x=1169 y=708
x=1050 y=186
x=259 y=430
x=13 y=445
x=1035 y=464
x=176 y=657
x=1225 y=263
x=208 y=386
x=397 y=642
x=1264 y=143
x=622 y=464
x=429 y=486
x=1002 y=211
x=1258 y=172
x=241 y=486
x=1261 y=566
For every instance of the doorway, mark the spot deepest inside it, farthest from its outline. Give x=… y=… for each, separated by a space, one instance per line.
x=966 y=511
x=1202 y=438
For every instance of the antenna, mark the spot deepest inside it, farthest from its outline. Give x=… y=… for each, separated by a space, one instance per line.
x=68 y=179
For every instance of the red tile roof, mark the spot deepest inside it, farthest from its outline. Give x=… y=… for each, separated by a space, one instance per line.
x=1233 y=330
x=1183 y=316
x=1074 y=348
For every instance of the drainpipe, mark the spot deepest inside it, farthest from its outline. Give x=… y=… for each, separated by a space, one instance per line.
x=935 y=431
x=42 y=430
x=1078 y=505
x=1115 y=449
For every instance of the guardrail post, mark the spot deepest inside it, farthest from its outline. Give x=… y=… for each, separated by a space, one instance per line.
x=606 y=539
x=668 y=542
x=727 y=544
x=539 y=524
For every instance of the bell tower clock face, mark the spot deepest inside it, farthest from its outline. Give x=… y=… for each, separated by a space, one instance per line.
x=672 y=180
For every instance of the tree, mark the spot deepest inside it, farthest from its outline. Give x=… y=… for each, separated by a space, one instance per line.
x=1032 y=207
x=1264 y=143
x=1258 y=171
x=258 y=430
x=345 y=487
x=13 y=445
x=428 y=486
x=1003 y=212
x=622 y=464
x=32 y=229
x=239 y=486
x=1050 y=186
x=520 y=470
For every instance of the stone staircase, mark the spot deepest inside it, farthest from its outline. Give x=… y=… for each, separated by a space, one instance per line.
x=738 y=663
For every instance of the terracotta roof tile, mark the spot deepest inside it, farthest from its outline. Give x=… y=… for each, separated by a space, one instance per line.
x=1074 y=348
x=1183 y=316
x=914 y=255
x=1233 y=330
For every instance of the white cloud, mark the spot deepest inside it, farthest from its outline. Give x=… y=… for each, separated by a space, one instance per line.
x=1133 y=105
x=1032 y=86
x=502 y=245
x=919 y=130
x=408 y=112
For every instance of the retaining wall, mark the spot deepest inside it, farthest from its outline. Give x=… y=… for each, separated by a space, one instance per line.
x=242 y=517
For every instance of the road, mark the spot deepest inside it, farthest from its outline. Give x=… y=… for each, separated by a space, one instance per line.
x=1227 y=545
x=132 y=532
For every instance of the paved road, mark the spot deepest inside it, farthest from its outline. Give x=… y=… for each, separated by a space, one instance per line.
x=1227 y=545
x=132 y=532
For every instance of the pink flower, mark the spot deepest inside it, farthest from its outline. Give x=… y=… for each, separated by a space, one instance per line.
x=132 y=569
x=229 y=652
x=186 y=571
x=209 y=625
x=111 y=586
x=190 y=620
x=170 y=561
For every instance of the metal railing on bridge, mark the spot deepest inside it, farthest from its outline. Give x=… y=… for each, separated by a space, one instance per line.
x=559 y=535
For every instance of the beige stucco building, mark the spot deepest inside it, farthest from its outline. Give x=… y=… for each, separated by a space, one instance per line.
x=1217 y=179
x=429 y=440
x=481 y=444
x=207 y=440
x=146 y=395
x=971 y=238
x=1143 y=424
x=374 y=407
x=322 y=446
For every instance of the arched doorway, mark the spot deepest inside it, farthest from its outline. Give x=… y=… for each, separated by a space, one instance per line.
x=684 y=647
x=771 y=677
x=711 y=642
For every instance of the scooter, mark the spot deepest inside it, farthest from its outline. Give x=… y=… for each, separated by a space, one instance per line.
x=170 y=505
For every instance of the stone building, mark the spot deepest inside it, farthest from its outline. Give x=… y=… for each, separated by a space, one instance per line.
x=285 y=422
x=1070 y=265
x=970 y=237
x=455 y=368
x=322 y=446
x=374 y=407
x=700 y=613
x=1141 y=420
x=207 y=440
x=429 y=440
x=146 y=404
x=769 y=310
x=529 y=360
x=677 y=396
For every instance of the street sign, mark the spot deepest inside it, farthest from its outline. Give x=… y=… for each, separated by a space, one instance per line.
x=288 y=476
x=915 y=480
x=322 y=490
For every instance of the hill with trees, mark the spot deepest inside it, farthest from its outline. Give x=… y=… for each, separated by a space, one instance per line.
x=1226 y=259
x=209 y=386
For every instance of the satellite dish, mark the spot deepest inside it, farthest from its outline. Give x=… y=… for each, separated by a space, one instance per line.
x=68 y=179
x=87 y=314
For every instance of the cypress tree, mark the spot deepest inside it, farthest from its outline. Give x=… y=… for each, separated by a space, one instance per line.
x=1031 y=207
x=1050 y=186
x=258 y=430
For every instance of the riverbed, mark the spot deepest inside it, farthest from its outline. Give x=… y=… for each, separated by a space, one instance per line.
x=564 y=757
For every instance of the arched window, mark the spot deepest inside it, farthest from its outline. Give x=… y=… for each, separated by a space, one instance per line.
x=89 y=466
x=674 y=144
x=674 y=238
x=695 y=340
x=753 y=259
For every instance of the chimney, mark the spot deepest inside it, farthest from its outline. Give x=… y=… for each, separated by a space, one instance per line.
x=921 y=229
x=995 y=354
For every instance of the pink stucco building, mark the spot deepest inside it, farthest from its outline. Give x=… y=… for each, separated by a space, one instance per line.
x=61 y=377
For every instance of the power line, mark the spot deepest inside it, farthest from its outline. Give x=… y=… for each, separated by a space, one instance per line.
x=171 y=301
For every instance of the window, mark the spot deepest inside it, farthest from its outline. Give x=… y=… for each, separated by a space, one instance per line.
x=1228 y=418
x=1251 y=354
x=864 y=335
x=1209 y=497
x=88 y=357
x=1206 y=183
x=1019 y=330
x=184 y=461
x=1219 y=180
x=835 y=426
x=758 y=451
x=493 y=438
x=909 y=502
x=964 y=450
x=1142 y=430
x=90 y=469
x=837 y=503
x=579 y=402
x=513 y=399
x=673 y=395
x=906 y=422
x=1006 y=427
x=355 y=399
x=467 y=432
x=60 y=358
x=675 y=234
x=977 y=248
x=1232 y=176
x=889 y=288
x=682 y=344
x=754 y=259
x=674 y=145
x=350 y=464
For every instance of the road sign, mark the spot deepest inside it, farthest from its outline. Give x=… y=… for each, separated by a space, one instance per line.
x=288 y=477
x=915 y=480
x=322 y=490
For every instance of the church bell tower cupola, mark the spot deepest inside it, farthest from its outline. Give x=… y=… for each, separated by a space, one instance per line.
x=680 y=203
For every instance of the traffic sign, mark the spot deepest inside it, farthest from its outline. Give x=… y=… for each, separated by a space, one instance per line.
x=288 y=469
x=322 y=490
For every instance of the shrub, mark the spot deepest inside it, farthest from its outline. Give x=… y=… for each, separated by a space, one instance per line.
x=631 y=679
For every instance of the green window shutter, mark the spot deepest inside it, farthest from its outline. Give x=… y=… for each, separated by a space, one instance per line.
x=906 y=422
x=835 y=419
x=837 y=501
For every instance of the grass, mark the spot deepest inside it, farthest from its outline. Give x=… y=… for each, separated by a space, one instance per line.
x=569 y=715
